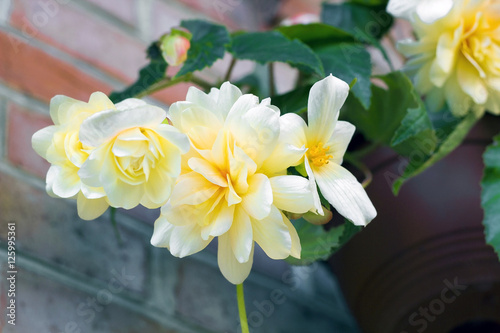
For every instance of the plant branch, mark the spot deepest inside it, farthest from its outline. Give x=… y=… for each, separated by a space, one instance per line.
x=271 y=79
x=227 y=77
x=241 y=308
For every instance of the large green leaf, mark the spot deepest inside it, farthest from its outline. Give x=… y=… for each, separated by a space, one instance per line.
x=316 y=34
x=270 y=46
x=490 y=195
x=319 y=244
x=349 y=61
x=450 y=135
x=371 y=2
x=208 y=44
x=364 y=22
x=149 y=75
x=388 y=108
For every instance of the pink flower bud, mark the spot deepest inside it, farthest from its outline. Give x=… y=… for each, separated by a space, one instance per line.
x=175 y=46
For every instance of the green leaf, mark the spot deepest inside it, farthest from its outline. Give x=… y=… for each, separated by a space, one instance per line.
x=149 y=75
x=371 y=2
x=349 y=61
x=318 y=243
x=208 y=44
x=294 y=101
x=490 y=194
x=316 y=34
x=271 y=46
x=366 y=23
x=389 y=106
x=450 y=134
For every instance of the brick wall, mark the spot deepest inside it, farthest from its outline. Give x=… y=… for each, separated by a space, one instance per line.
x=72 y=274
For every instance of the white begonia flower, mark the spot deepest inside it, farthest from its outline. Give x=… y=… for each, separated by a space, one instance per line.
x=136 y=157
x=233 y=183
x=456 y=58
x=60 y=145
x=326 y=139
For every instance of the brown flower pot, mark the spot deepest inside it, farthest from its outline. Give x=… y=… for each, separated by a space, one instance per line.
x=422 y=265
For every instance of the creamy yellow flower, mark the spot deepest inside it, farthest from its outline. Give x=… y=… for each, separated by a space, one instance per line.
x=326 y=139
x=60 y=145
x=136 y=158
x=456 y=58
x=233 y=184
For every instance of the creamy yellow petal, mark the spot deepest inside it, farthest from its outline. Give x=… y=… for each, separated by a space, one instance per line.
x=234 y=271
x=272 y=235
x=258 y=201
x=292 y=194
x=90 y=209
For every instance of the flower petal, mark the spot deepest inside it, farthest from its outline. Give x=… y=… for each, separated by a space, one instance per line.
x=471 y=82
x=207 y=170
x=234 y=271
x=228 y=95
x=292 y=194
x=193 y=189
x=90 y=209
x=221 y=219
x=296 y=247
x=241 y=235
x=402 y=8
x=272 y=235
x=100 y=102
x=342 y=135
x=258 y=201
x=42 y=140
x=345 y=193
x=325 y=100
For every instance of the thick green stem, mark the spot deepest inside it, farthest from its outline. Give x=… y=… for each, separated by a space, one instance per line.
x=241 y=308
x=227 y=77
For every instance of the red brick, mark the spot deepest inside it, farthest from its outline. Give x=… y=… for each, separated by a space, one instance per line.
x=123 y=9
x=82 y=35
x=40 y=75
x=21 y=125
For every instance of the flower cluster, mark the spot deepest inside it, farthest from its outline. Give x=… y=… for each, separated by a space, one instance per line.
x=106 y=155
x=456 y=58
x=220 y=170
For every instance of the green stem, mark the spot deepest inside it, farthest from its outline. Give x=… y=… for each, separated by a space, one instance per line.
x=167 y=82
x=227 y=77
x=241 y=308
x=362 y=167
x=112 y=217
x=271 y=79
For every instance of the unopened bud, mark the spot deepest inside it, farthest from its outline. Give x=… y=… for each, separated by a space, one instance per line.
x=174 y=46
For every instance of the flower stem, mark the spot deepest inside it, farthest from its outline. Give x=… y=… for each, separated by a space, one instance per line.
x=227 y=77
x=241 y=308
x=112 y=217
x=167 y=82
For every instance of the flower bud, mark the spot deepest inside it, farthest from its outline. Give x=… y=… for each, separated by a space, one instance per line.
x=174 y=46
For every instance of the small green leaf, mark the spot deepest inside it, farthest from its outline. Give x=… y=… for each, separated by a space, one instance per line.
x=318 y=243
x=449 y=138
x=490 y=195
x=271 y=46
x=349 y=61
x=316 y=34
x=366 y=23
x=149 y=75
x=208 y=44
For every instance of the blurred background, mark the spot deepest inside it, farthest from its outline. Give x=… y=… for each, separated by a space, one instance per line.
x=72 y=276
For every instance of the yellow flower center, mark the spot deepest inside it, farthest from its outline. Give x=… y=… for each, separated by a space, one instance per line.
x=317 y=154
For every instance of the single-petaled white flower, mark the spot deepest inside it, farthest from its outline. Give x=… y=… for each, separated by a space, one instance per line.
x=456 y=58
x=136 y=156
x=233 y=183
x=326 y=139
x=60 y=145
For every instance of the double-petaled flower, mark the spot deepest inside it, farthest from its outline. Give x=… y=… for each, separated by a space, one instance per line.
x=233 y=183
x=456 y=58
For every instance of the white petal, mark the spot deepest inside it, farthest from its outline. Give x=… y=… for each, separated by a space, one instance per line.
x=296 y=247
x=272 y=235
x=129 y=103
x=90 y=209
x=56 y=103
x=259 y=198
x=325 y=100
x=471 y=82
x=402 y=8
x=158 y=188
x=226 y=97
x=42 y=140
x=292 y=194
x=342 y=135
x=192 y=189
x=101 y=126
x=241 y=235
x=174 y=136
x=100 y=102
x=198 y=97
x=234 y=271
x=67 y=183
x=345 y=193
x=318 y=208
x=432 y=10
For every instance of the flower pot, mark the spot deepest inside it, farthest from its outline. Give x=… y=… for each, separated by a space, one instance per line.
x=422 y=264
